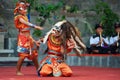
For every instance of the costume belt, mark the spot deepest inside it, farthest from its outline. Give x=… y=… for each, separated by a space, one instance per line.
x=22 y=49
x=51 y=52
x=24 y=29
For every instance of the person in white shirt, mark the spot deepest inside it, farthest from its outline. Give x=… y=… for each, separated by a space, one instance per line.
x=115 y=40
x=99 y=42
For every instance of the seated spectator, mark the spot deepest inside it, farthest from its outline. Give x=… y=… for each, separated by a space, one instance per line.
x=99 y=42
x=115 y=40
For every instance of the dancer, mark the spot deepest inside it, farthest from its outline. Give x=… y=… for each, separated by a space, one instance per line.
x=61 y=39
x=25 y=41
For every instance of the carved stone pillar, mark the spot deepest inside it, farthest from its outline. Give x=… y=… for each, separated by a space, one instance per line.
x=2 y=35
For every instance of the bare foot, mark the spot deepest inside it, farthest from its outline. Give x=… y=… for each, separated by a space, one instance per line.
x=19 y=74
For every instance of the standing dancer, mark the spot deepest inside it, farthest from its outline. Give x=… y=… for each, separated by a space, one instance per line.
x=25 y=41
x=61 y=39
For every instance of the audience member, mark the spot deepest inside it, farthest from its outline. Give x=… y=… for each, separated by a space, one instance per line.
x=115 y=40
x=98 y=41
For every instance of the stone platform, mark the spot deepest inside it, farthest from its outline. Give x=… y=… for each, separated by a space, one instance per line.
x=99 y=60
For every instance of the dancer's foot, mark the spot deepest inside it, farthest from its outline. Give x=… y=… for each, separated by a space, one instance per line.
x=19 y=74
x=38 y=72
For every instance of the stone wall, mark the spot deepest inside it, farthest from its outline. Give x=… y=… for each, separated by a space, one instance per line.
x=96 y=61
x=7 y=17
x=2 y=40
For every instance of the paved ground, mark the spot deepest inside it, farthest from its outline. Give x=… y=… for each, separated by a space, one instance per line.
x=79 y=73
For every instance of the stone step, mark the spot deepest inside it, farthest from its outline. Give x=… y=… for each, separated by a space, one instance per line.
x=12 y=61
x=7 y=52
x=96 y=61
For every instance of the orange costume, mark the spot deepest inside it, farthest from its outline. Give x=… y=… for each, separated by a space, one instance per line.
x=25 y=41
x=26 y=46
x=53 y=64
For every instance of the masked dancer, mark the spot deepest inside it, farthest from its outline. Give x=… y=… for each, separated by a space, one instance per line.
x=61 y=39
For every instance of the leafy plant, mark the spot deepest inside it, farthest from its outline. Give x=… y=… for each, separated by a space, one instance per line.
x=106 y=16
x=47 y=10
x=37 y=33
x=72 y=9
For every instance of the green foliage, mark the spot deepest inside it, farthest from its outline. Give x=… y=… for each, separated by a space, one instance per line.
x=49 y=11
x=15 y=1
x=106 y=17
x=31 y=2
x=37 y=33
x=73 y=9
x=45 y=10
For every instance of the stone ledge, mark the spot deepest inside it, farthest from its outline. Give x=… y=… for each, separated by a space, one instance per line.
x=11 y=59
x=96 y=61
x=6 y=51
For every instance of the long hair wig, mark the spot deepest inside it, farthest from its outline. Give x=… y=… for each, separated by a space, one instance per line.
x=68 y=31
x=71 y=32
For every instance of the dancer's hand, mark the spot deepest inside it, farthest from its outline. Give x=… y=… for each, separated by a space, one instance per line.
x=39 y=28
x=37 y=43
x=41 y=39
x=70 y=44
